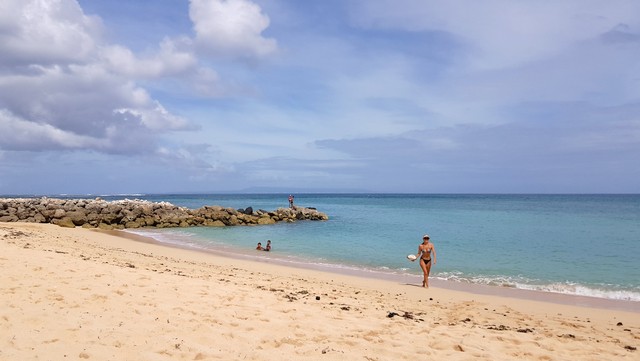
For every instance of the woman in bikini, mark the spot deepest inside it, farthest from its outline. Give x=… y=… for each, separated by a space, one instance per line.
x=427 y=256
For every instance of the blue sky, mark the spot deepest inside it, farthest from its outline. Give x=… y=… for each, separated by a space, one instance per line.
x=165 y=96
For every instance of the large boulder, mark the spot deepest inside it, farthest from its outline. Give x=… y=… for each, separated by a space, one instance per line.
x=266 y=220
x=216 y=223
x=77 y=217
x=59 y=213
x=64 y=222
x=9 y=218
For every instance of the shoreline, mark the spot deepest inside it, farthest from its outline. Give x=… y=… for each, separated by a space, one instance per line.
x=78 y=293
x=408 y=279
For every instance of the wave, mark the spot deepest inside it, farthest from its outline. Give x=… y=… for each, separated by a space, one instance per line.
x=612 y=292
x=123 y=195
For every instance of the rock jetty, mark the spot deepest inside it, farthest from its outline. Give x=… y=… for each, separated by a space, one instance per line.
x=136 y=213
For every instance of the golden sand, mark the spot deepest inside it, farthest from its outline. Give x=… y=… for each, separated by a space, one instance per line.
x=71 y=294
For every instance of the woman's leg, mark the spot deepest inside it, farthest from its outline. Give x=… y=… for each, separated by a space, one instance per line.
x=425 y=273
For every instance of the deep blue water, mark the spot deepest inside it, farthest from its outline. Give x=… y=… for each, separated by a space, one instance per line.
x=576 y=244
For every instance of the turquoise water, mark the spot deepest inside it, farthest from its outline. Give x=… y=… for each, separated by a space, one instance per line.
x=576 y=244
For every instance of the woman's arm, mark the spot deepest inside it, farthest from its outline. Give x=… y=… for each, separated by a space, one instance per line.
x=433 y=250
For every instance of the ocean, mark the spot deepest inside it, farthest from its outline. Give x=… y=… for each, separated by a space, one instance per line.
x=586 y=245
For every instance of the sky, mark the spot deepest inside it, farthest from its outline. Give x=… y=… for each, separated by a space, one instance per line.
x=390 y=96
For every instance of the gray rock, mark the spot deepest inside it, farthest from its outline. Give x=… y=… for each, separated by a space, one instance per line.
x=64 y=222
x=91 y=213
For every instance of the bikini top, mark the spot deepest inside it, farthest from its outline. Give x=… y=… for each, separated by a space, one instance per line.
x=426 y=252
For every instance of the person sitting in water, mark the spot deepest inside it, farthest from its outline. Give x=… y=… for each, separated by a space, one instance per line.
x=268 y=247
x=259 y=248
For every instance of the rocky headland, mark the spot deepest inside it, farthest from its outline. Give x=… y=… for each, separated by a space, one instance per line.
x=136 y=213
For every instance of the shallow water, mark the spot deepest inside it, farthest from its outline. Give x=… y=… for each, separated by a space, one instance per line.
x=574 y=244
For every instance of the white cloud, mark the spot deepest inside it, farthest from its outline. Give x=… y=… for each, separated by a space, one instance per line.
x=154 y=116
x=85 y=100
x=174 y=57
x=61 y=87
x=231 y=28
x=45 y=31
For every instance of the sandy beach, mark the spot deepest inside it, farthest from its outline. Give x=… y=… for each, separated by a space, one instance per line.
x=82 y=294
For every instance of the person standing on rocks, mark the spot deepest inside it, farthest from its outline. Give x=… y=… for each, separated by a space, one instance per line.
x=290 y=201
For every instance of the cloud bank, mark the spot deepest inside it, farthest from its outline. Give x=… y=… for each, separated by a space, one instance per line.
x=406 y=95
x=63 y=87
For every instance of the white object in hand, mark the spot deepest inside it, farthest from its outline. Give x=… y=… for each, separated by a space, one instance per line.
x=411 y=257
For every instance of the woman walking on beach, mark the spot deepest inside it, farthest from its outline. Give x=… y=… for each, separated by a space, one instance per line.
x=427 y=256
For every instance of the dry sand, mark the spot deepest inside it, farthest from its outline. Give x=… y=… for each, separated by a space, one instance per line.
x=72 y=294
